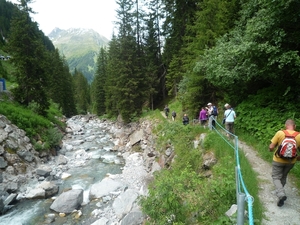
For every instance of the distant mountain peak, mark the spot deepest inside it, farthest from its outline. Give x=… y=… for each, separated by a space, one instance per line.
x=57 y=32
x=80 y=47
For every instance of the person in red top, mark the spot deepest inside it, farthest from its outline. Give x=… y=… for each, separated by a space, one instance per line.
x=281 y=166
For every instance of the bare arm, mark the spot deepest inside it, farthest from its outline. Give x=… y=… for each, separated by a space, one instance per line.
x=271 y=147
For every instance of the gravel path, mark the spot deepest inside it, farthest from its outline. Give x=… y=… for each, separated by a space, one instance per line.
x=289 y=214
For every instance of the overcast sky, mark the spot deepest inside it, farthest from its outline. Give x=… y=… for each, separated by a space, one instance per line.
x=64 y=14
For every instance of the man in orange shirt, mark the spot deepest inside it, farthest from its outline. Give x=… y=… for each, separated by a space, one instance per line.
x=282 y=166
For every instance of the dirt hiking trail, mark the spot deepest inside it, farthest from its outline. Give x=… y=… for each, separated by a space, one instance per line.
x=289 y=213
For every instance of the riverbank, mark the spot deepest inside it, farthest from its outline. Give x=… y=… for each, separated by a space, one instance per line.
x=130 y=147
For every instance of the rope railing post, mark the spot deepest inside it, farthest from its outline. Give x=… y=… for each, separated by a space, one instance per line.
x=241 y=209
x=241 y=195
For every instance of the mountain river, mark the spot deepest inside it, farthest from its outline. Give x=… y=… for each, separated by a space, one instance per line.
x=90 y=159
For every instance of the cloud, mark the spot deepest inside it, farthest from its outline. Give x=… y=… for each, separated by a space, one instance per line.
x=98 y=15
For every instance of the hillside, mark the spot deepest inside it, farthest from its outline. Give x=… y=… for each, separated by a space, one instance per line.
x=80 y=47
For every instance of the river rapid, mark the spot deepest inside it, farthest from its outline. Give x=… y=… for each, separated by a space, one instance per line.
x=91 y=157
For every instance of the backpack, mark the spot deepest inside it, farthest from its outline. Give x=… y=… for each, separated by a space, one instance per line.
x=173 y=114
x=215 y=111
x=288 y=148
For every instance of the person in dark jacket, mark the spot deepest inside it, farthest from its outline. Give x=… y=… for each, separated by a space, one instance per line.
x=185 y=119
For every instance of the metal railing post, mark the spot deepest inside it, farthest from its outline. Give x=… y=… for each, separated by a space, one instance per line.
x=241 y=209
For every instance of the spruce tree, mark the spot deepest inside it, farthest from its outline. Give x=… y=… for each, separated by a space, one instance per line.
x=98 y=84
x=29 y=57
x=82 y=92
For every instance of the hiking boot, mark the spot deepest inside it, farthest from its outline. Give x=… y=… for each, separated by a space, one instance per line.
x=281 y=201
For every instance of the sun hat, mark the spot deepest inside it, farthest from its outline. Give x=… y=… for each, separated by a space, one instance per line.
x=209 y=104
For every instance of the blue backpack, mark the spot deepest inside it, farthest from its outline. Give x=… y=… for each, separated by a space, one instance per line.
x=215 y=111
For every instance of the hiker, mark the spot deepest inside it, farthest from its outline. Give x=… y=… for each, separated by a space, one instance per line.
x=210 y=115
x=215 y=113
x=173 y=115
x=229 y=116
x=167 y=110
x=203 y=117
x=282 y=166
x=185 y=119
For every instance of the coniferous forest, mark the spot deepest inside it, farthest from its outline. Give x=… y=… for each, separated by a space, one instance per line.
x=245 y=52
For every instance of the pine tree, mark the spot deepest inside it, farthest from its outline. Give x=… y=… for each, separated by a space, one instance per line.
x=29 y=57
x=154 y=70
x=60 y=84
x=98 y=84
x=125 y=79
x=82 y=92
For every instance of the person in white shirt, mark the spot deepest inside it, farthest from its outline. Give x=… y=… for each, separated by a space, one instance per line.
x=229 y=116
x=210 y=115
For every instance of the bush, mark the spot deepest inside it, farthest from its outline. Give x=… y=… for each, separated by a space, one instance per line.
x=41 y=131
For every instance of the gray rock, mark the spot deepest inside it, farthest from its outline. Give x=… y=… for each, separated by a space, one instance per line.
x=12 y=158
x=102 y=221
x=123 y=203
x=26 y=155
x=68 y=201
x=3 y=163
x=1 y=206
x=36 y=193
x=231 y=211
x=43 y=171
x=12 y=144
x=136 y=137
x=50 y=188
x=10 y=199
x=61 y=160
x=9 y=128
x=1 y=147
x=3 y=135
x=4 y=121
x=133 y=218
x=12 y=186
x=104 y=187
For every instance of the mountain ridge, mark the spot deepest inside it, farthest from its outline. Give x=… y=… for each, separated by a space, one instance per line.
x=80 y=47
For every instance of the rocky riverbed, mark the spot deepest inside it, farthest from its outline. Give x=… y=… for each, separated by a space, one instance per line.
x=111 y=199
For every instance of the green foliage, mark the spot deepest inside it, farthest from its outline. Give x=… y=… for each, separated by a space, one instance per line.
x=29 y=57
x=40 y=130
x=24 y=118
x=258 y=53
x=81 y=92
x=53 y=137
x=182 y=194
x=98 y=84
x=261 y=115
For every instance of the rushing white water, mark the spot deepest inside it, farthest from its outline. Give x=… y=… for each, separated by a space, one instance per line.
x=84 y=173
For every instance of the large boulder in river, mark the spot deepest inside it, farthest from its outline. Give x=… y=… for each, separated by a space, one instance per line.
x=68 y=201
x=104 y=188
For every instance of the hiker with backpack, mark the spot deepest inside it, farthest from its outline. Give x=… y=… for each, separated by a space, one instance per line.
x=185 y=119
x=284 y=144
x=215 y=113
x=173 y=115
x=229 y=116
x=167 y=110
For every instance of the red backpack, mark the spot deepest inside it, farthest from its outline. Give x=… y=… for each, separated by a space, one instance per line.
x=288 y=148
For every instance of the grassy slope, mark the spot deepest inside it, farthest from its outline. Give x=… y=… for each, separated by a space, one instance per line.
x=222 y=184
